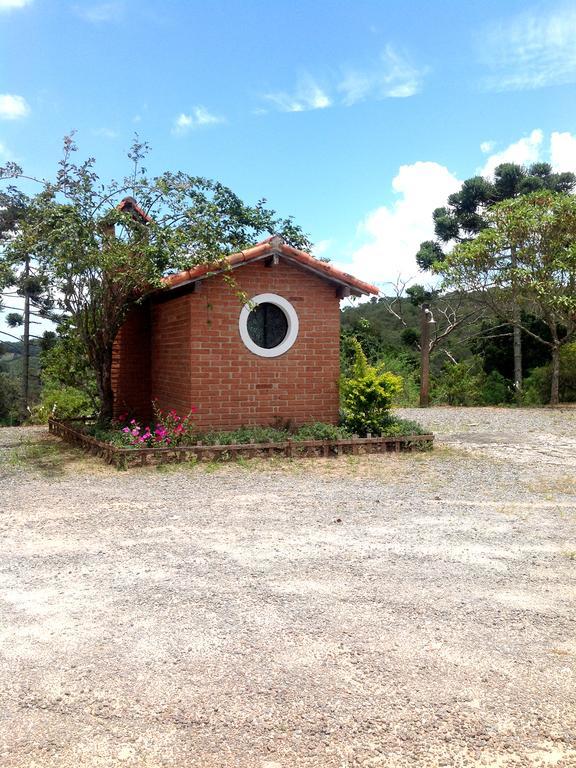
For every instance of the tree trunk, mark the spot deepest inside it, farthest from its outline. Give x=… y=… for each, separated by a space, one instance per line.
x=26 y=344
x=517 y=335
x=555 y=385
x=517 y=341
x=424 y=356
x=104 y=379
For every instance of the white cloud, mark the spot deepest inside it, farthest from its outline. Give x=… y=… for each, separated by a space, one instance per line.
x=487 y=146
x=106 y=133
x=532 y=50
x=307 y=96
x=100 y=13
x=394 y=232
x=563 y=151
x=9 y=5
x=13 y=107
x=199 y=117
x=393 y=77
x=525 y=151
x=320 y=248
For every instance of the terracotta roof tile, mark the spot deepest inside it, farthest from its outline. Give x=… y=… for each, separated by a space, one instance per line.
x=270 y=246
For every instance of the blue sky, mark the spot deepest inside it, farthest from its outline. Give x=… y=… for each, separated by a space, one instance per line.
x=357 y=118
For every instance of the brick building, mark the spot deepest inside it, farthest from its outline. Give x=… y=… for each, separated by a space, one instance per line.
x=272 y=360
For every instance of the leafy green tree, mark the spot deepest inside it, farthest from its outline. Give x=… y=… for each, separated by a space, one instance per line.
x=465 y=216
x=20 y=277
x=540 y=228
x=101 y=258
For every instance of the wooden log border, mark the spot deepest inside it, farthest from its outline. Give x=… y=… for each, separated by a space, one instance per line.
x=127 y=457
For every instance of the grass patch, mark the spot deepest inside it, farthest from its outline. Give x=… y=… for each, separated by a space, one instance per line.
x=48 y=458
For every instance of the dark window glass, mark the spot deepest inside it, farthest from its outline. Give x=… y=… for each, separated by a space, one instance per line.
x=267 y=325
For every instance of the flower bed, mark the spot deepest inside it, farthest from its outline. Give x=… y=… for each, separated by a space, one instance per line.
x=209 y=450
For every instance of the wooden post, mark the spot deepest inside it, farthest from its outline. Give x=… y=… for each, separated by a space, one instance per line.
x=425 y=317
x=25 y=384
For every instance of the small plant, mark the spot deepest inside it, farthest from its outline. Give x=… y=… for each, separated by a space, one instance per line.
x=169 y=429
x=320 y=431
x=244 y=435
x=367 y=395
x=401 y=427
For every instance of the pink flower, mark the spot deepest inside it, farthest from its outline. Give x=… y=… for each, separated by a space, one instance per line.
x=126 y=429
x=133 y=421
x=193 y=409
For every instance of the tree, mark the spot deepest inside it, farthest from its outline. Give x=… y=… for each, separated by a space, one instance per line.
x=540 y=228
x=101 y=258
x=20 y=277
x=465 y=216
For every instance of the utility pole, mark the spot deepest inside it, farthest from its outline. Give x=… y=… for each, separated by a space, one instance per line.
x=426 y=320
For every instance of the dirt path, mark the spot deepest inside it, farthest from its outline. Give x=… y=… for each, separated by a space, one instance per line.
x=383 y=611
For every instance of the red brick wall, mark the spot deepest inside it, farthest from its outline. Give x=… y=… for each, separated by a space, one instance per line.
x=131 y=365
x=198 y=358
x=171 y=363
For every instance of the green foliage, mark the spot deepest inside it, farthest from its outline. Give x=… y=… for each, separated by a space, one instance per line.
x=428 y=254
x=466 y=383
x=367 y=395
x=400 y=427
x=367 y=335
x=418 y=294
x=537 y=385
x=9 y=400
x=65 y=364
x=62 y=402
x=459 y=383
x=406 y=367
x=496 y=389
x=246 y=435
x=410 y=337
x=320 y=431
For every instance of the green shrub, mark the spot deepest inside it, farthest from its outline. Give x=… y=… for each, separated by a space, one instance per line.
x=320 y=431
x=246 y=435
x=62 y=403
x=399 y=427
x=406 y=366
x=460 y=383
x=9 y=400
x=367 y=395
x=496 y=389
x=536 y=390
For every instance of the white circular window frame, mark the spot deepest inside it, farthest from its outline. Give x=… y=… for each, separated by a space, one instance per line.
x=291 y=317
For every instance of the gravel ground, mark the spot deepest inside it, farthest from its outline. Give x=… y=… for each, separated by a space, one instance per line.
x=397 y=611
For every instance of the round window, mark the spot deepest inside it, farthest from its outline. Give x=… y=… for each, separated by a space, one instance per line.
x=268 y=325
